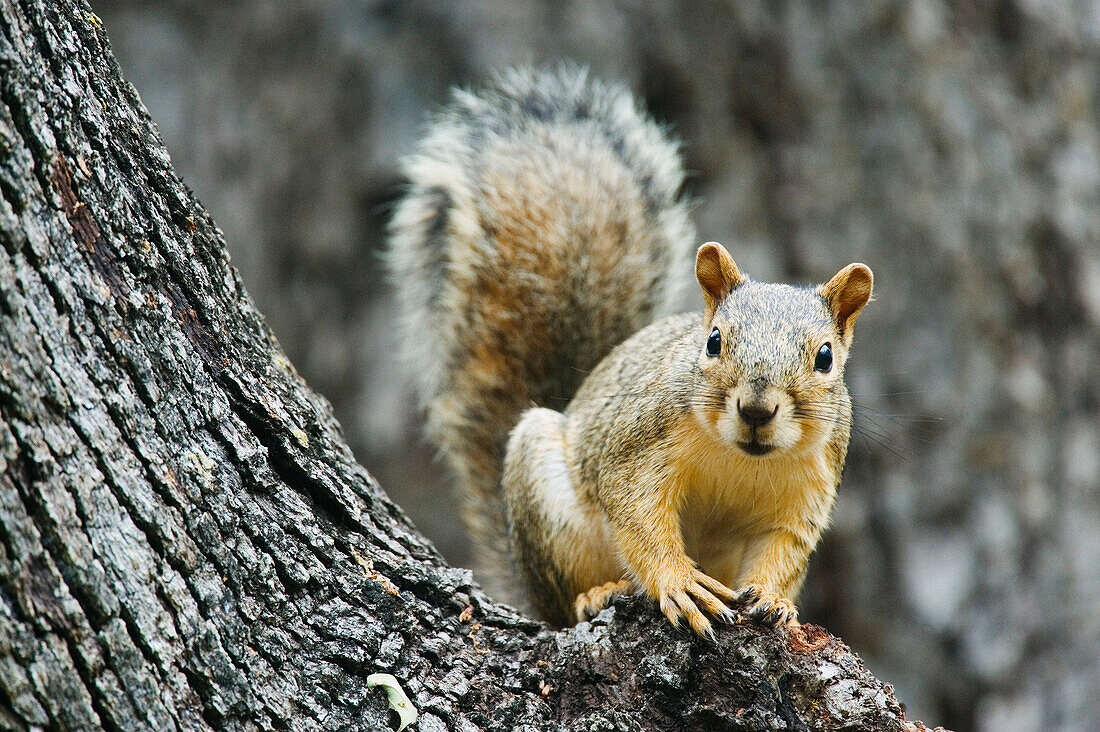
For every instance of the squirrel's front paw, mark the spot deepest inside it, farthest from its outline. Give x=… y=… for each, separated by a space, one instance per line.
x=589 y=603
x=767 y=607
x=684 y=595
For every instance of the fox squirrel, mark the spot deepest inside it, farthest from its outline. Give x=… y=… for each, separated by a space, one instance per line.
x=695 y=459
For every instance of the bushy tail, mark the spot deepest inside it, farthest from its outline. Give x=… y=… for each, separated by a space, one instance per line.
x=542 y=227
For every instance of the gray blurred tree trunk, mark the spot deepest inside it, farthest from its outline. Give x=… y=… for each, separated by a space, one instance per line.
x=185 y=538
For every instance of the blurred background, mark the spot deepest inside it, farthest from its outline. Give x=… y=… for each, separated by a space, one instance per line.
x=953 y=146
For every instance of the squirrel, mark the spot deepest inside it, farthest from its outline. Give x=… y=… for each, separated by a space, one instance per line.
x=695 y=458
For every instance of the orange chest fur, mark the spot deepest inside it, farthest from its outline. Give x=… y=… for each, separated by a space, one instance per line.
x=725 y=491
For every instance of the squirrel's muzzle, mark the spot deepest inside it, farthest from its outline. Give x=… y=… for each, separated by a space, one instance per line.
x=757 y=414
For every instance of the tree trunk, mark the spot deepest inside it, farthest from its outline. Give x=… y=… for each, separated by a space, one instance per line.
x=186 y=540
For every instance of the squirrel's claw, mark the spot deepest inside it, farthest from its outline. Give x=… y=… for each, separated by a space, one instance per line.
x=697 y=592
x=678 y=605
x=747 y=594
x=771 y=609
x=729 y=616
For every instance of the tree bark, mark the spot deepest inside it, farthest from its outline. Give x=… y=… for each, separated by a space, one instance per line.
x=186 y=542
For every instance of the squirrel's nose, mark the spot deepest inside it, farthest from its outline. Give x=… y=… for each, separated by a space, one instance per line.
x=756 y=415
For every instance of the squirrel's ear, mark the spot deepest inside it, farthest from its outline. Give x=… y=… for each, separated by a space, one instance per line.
x=717 y=274
x=846 y=293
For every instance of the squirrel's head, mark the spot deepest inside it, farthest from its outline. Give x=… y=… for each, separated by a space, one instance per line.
x=772 y=357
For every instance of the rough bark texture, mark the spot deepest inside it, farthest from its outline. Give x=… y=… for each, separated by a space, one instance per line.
x=953 y=145
x=185 y=539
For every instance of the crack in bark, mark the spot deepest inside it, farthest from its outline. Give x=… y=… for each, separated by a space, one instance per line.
x=87 y=230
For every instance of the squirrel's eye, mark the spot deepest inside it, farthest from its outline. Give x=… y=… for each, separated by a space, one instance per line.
x=714 y=344
x=824 y=360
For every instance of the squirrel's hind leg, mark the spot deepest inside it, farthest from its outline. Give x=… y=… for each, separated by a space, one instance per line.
x=589 y=603
x=558 y=536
